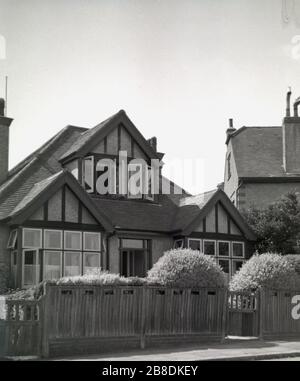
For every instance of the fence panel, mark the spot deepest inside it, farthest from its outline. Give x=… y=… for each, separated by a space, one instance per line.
x=277 y=320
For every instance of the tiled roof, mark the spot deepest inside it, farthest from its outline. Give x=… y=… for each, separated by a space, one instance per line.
x=258 y=152
x=40 y=165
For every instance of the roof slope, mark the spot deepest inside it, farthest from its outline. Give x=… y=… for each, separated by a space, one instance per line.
x=258 y=152
x=40 y=165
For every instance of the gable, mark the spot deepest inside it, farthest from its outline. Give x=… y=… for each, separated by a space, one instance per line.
x=219 y=215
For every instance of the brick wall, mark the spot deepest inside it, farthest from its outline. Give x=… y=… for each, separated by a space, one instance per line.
x=261 y=195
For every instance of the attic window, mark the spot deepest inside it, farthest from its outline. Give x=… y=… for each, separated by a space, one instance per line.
x=228 y=166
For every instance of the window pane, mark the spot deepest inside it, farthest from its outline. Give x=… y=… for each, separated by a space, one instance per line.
x=32 y=238
x=73 y=240
x=89 y=174
x=209 y=247
x=238 y=249
x=236 y=265
x=53 y=239
x=91 y=241
x=225 y=265
x=133 y=243
x=223 y=249
x=195 y=244
x=12 y=239
x=52 y=266
x=178 y=244
x=72 y=263
x=91 y=262
x=31 y=268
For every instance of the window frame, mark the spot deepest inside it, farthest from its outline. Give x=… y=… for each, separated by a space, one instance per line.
x=243 y=245
x=92 y=190
x=84 y=253
x=70 y=248
x=44 y=262
x=83 y=241
x=13 y=245
x=229 y=249
x=178 y=240
x=61 y=239
x=195 y=239
x=32 y=247
x=215 y=243
x=232 y=263
x=129 y=195
x=80 y=261
x=38 y=266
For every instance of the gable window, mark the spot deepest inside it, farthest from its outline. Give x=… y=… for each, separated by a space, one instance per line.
x=12 y=240
x=53 y=239
x=72 y=240
x=209 y=247
x=228 y=166
x=238 y=249
x=32 y=238
x=88 y=174
x=194 y=244
x=223 y=248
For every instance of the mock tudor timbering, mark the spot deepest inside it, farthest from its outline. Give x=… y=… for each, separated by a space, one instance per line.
x=54 y=222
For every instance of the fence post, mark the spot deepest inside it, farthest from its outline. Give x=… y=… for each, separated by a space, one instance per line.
x=143 y=319
x=224 y=315
x=44 y=323
x=261 y=313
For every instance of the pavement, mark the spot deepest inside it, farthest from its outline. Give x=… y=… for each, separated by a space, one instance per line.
x=234 y=348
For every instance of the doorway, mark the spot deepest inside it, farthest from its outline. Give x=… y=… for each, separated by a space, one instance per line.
x=133 y=263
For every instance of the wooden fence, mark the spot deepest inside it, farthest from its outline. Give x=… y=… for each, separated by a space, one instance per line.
x=73 y=319
x=276 y=320
x=97 y=318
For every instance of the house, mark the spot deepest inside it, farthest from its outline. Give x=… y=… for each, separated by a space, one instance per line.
x=263 y=163
x=56 y=221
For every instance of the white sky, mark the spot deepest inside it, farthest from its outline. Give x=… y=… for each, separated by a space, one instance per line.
x=179 y=68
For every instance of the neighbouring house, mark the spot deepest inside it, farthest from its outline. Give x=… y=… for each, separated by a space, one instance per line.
x=263 y=163
x=55 y=221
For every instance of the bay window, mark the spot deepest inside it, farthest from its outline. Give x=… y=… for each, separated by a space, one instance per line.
x=32 y=238
x=195 y=244
x=91 y=241
x=238 y=249
x=53 y=239
x=91 y=262
x=52 y=265
x=72 y=240
x=31 y=267
x=72 y=263
x=209 y=247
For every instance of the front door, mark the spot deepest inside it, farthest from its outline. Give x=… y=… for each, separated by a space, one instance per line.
x=133 y=263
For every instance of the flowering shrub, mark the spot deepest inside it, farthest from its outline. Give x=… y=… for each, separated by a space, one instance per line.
x=186 y=268
x=266 y=271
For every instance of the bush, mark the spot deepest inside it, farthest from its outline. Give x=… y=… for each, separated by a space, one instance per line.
x=295 y=260
x=266 y=271
x=186 y=268
x=99 y=277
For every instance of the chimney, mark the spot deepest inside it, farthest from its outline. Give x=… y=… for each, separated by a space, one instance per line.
x=291 y=138
x=153 y=143
x=4 y=141
x=230 y=130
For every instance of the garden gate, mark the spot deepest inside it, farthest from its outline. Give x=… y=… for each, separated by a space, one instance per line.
x=243 y=314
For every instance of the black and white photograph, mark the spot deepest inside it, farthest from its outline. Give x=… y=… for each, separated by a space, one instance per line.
x=149 y=184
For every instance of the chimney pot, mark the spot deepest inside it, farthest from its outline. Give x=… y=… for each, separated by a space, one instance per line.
x=153 y=143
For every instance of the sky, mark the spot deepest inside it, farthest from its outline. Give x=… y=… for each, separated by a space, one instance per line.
x=179 y=68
